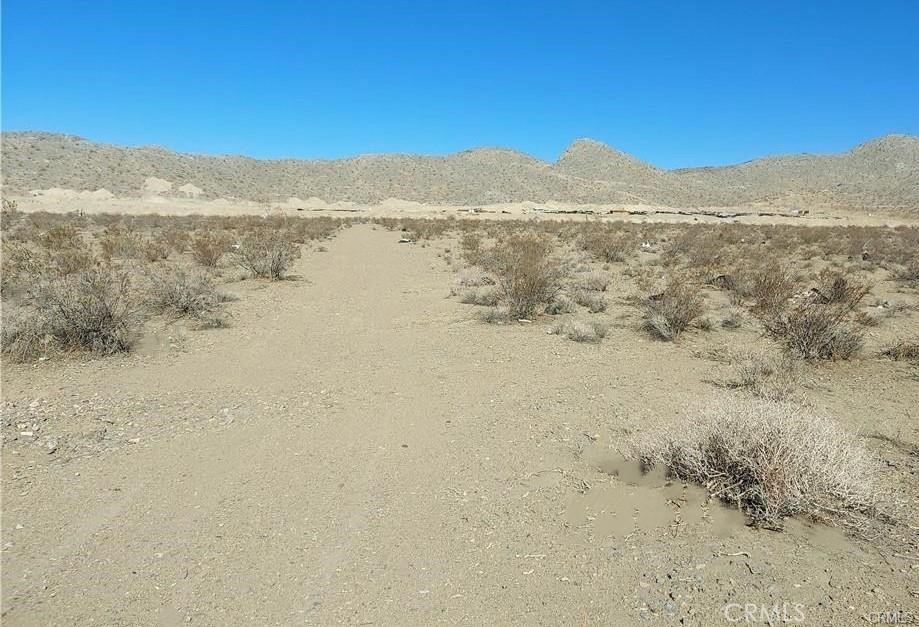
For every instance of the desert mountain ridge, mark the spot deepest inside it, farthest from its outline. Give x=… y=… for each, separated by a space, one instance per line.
x=881 y=174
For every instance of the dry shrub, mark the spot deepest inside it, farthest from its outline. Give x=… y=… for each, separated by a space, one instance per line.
x=672 y=311
x=593 y=301
x=176 y=239
x=774 y=460
x=577 y=331
x=561 y=304
x=419 y=229
x=23 y=334
x=705 y=324
x=486 y=296
x=768 y=285
x=825 y=325
x=903 y=350
x=770 y=377
x=266 y=254
x=319 y=228
x=607 y=246
x=473 y=277
x=527 y=275
x=733 y=320
x=594 y=281
x=155 y=249
x=117 y=242
x=91 y=311
x=187 y=295
x=208 y=248
x=70 y=260
x=21 y=264
x=57 y=237
x=909 y=273
x=707 y=250
x=835 y=288
x=814 y=331
x=495 y=315
x=24 y=265
x=471 y=247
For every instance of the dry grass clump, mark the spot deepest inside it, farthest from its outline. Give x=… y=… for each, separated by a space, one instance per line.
x=23 y=336
x=672 y=311
x=487 y=296
x=593 y=281
x=266 y=254
x=495 y=315
x=91 y=311
x=578 y=331
x=593 y=301
x=903 y=350
x=560 y=304
x=182 y=295
x=733 y=320
x=208 y=248
x=774 y=460
x=527 y=276
x=472 y=277
x=770 y=377
x=909 y=273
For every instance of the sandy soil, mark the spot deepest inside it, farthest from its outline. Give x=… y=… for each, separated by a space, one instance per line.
x=357 y=448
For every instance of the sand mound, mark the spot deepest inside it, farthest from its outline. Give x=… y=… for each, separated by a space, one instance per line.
x=190 y=191
x=154 y=185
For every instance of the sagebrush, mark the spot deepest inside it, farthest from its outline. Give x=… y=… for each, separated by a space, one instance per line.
x=774 y=460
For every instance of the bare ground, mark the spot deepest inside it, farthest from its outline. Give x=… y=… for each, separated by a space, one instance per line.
x=357 y=449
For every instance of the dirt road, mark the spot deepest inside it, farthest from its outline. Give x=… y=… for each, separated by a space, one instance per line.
x=357 y=449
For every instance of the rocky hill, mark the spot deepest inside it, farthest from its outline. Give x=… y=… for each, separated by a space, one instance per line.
x=880 y=174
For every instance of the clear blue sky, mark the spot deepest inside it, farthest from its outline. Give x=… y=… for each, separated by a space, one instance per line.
x=675 y=82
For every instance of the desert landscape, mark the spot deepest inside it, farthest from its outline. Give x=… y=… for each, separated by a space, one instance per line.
x=478 y=388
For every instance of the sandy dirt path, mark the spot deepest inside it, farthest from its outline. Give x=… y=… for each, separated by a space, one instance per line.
x=352 y=451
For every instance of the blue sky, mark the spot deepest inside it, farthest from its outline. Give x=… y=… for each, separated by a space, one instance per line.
x=678 y=83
